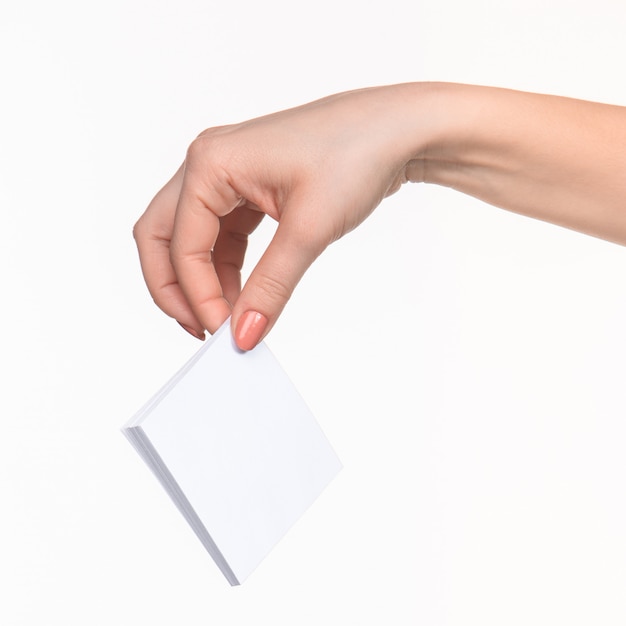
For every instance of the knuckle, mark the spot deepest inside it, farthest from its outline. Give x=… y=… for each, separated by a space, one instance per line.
x=184 y=258
x=274 y=288
x=196 y=150
x=207 y=142
x=207 y=160
x=138 y=230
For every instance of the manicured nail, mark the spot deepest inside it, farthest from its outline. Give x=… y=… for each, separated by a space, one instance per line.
x=249 y=329
x=193 y=332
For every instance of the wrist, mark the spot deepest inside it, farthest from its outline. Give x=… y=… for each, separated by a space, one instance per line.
x=446 y=132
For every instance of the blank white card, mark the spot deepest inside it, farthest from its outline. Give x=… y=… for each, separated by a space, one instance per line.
x=236 y=448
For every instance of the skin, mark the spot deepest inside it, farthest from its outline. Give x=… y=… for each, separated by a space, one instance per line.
x=320 y=169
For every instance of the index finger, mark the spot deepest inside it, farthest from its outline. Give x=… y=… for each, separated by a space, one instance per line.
x=204 y=198
x=152 y=234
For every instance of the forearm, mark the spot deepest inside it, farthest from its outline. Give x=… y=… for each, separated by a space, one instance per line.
x=556 y=159
x=322 y=168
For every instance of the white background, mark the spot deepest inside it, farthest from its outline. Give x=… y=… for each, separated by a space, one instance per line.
x=467 y=364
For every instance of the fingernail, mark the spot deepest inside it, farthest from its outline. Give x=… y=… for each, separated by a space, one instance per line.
x=249 y=329
x=191 y=331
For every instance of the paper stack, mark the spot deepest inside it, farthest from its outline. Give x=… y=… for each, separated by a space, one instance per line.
x=236 y=448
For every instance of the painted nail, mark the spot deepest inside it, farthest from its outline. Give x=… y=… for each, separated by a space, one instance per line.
x=249 y=329
x=191 y=331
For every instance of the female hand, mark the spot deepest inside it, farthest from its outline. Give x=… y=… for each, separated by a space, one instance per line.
x=319 y=170
x=322 y=168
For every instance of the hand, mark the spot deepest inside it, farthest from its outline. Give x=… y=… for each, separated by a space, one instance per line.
x=319 y=170
x=322 y=168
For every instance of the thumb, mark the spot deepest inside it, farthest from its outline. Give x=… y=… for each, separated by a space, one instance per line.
x=271 y=284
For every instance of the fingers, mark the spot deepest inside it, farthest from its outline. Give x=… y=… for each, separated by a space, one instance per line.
x=269 y=287
x=204 y=199
x=152 y=234
x=230 y=248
